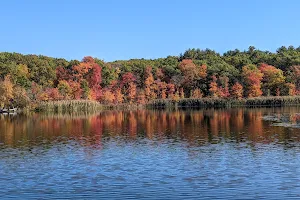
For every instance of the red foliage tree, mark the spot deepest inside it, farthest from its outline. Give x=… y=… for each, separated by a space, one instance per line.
x=94 y=80
x=128 y=86
x=170 y=90
x=62 y=74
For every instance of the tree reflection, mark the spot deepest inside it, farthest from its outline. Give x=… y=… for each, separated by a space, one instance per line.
x=194 y=126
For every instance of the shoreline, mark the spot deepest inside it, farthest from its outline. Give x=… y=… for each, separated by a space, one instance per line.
x=271 y=101
x=87 y=106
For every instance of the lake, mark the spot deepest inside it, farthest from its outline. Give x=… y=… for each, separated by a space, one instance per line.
x=239 y=153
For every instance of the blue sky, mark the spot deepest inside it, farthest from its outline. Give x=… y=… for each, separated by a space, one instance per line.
x=119 y=29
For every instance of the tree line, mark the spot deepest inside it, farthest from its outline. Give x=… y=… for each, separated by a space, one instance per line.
x=194 y=74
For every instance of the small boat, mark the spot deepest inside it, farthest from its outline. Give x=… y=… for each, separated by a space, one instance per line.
x=10 y=110
x=4 y=110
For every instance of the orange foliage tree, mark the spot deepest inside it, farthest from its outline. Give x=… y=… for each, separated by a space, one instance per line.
x=291 y=89
x=6 y=91
x=237 y=91
x=131 y=92
x=213 y=87
x=197 y=94
x=252 y=77
x=119 y=97
x=192 y=74
x=108 y=97
x=150 y=85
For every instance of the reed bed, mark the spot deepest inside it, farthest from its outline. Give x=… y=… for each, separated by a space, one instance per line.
x=273 y=101
x=124 y=106
x=69 y=106
x=225 y=103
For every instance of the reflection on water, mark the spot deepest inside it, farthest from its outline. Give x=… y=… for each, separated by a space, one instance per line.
x=224 y=153
x=194 y=127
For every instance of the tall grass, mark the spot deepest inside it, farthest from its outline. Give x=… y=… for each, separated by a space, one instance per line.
x=69 y=106
x=124 y=106
x=273 y=101
x=225 y=103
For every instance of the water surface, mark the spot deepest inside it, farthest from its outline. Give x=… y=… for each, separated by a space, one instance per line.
x=202 y=154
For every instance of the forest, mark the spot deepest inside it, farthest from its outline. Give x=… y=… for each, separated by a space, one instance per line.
x=195 y=74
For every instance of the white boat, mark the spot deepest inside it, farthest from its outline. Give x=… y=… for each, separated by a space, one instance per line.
x=10 y=110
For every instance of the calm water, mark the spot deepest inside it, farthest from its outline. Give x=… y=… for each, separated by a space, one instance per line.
x=203 y=154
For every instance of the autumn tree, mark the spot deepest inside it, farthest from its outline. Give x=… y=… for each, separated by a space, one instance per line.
x=64 y=89
x=295 y=75
x=160 y=74
x=170 y=90
x=35 y=91
x=181 y=93
x=176 y=96
x=237 y=91
x=85 y=89
x=192 y=74
x=131 y=92
x=224 y=88
x=273 y=79
x=6 y=91
x=252 y=77
x=76 y=89
x=108 y=97
x=161 y=89
x=21 y=76
x=128 y=86
x=141 y=98
x=119 y=97
x=291 y=89
x=53 y=94
x=94 y=79
x=203 y=71
x=149 y=84
x=63 y=73
x=21 y=98
x=197 y=94
x=213 y=87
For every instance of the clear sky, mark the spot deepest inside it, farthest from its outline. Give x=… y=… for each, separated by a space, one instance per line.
x=124 y=29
